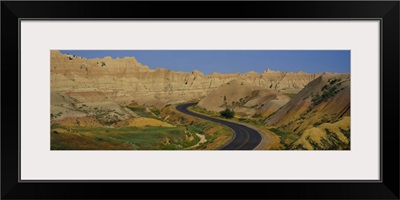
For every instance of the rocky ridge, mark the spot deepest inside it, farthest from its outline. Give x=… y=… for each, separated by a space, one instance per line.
x=122 y=80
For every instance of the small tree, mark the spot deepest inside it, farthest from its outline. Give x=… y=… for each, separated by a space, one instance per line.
x=227 y=113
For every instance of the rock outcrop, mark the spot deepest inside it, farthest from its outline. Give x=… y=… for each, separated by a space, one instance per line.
x=122 y=80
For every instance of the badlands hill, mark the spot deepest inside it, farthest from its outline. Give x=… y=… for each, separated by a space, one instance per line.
x=244 y=98
x=121 y=92
x=122 y=80
x=320 y=113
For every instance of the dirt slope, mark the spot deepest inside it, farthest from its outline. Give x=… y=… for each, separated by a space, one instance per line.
x=244 y=98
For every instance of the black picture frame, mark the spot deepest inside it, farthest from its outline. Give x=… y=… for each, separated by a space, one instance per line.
x=386 y=11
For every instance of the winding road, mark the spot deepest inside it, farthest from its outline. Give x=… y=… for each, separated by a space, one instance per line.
x=245 y=138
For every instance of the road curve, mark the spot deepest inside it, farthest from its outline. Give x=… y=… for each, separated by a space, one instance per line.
x=245 y=138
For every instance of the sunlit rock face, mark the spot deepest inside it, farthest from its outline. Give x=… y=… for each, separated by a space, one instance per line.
x=123 y=80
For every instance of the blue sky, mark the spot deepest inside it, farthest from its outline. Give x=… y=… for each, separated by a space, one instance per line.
x=233 y=61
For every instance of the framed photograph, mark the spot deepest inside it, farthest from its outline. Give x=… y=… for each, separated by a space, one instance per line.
x=298 y=97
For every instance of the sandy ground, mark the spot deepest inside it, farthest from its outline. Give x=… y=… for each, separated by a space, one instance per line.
x=202 y=140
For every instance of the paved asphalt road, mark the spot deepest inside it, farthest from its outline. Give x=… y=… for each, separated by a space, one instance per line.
x=245 y=138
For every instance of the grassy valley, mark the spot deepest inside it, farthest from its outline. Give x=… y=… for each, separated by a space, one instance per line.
x=123 y=138
x=146 y=128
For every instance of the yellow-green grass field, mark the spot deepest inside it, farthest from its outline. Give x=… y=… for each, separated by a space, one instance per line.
x=122 y=138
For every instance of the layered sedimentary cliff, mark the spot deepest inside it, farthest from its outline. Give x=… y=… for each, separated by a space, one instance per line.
x=123 y=80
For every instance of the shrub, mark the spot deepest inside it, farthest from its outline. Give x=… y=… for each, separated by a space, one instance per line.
x=227 y=113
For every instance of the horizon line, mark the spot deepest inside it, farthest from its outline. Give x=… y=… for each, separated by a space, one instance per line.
x=198 y=68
